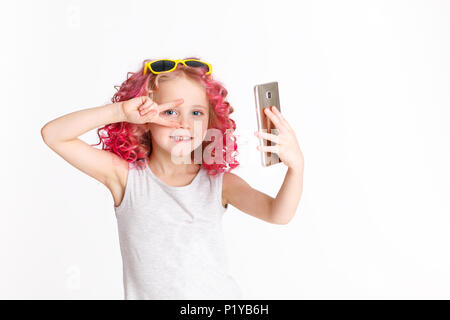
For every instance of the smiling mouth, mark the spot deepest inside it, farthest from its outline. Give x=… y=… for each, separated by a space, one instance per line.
x=181 y=138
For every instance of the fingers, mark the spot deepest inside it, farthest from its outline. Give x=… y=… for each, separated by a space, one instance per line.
x=162 y=122
x=268 y=136
x=274 y=118
x=273 y=149
x=279 y=122
x=283 y=119
x=168 y=123
x=170 y=104
x=151 y=110
x=277 y=112
x=155 y=118
x=147 y=108
x=148 y=104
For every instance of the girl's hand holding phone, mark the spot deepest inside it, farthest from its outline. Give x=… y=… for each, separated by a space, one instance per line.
x=141 y=110
x=286 y=147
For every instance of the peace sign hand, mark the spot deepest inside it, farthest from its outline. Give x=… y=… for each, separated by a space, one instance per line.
x=143 y=109
x=286 y=147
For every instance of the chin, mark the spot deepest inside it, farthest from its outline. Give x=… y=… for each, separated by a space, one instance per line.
x=181 y=151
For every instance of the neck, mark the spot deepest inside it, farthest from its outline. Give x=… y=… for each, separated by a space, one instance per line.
x=171 y=165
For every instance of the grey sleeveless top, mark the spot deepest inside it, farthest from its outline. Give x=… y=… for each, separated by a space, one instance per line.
x=171 y=238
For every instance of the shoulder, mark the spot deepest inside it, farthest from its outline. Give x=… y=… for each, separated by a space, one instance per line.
x=232 y=182
x=230 y=178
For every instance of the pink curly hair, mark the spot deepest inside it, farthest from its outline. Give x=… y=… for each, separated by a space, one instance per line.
x=133 y=143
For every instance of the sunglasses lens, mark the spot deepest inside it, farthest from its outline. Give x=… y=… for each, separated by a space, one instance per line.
x=196 y=64
x=162 y=65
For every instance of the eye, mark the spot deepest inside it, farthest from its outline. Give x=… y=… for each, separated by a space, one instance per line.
x=165 y=112
x=198 y=111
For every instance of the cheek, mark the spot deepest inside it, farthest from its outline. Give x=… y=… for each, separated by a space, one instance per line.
x=160 y=133
x=205 y=127
x=206 y=124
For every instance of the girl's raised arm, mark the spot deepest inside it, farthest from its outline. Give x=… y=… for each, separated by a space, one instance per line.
x=282 y=208
x=61 y=135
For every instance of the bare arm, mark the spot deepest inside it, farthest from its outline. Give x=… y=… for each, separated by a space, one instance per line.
x=286 y=202
x=279 y=210
x=282 y=208
x=61 y=135
x=75 y=124
x=237 y=192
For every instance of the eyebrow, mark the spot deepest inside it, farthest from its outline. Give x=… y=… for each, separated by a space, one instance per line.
x=195 y=105
x=199 y=105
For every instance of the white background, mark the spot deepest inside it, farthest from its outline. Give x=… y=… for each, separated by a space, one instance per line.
x=365 y=85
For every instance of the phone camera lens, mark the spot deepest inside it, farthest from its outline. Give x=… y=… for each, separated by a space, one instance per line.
x=269 y=94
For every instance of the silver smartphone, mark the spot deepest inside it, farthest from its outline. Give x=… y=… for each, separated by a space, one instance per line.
x=266 y=95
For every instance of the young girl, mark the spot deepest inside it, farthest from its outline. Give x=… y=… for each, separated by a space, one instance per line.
x=169 y=208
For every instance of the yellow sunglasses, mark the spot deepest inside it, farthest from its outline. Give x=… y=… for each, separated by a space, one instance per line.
x=168 y=65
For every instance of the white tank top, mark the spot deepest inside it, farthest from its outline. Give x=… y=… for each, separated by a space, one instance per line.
x=171 y=238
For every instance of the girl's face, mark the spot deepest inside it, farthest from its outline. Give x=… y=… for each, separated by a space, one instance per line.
x=193 y=115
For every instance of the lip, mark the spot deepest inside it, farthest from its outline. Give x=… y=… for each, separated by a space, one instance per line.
x=172 y=138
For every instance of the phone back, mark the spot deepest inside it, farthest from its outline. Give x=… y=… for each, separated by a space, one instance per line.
x=266 y=95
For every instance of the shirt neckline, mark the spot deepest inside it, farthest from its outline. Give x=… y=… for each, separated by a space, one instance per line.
x=154 y=176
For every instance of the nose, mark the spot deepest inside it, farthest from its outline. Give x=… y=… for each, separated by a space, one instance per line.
x=184 y=128
x=184 y=122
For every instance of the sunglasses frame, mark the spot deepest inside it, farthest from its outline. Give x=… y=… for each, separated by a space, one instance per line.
x=148 y=65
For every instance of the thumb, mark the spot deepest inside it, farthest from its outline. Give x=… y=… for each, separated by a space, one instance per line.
x=144 y=99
